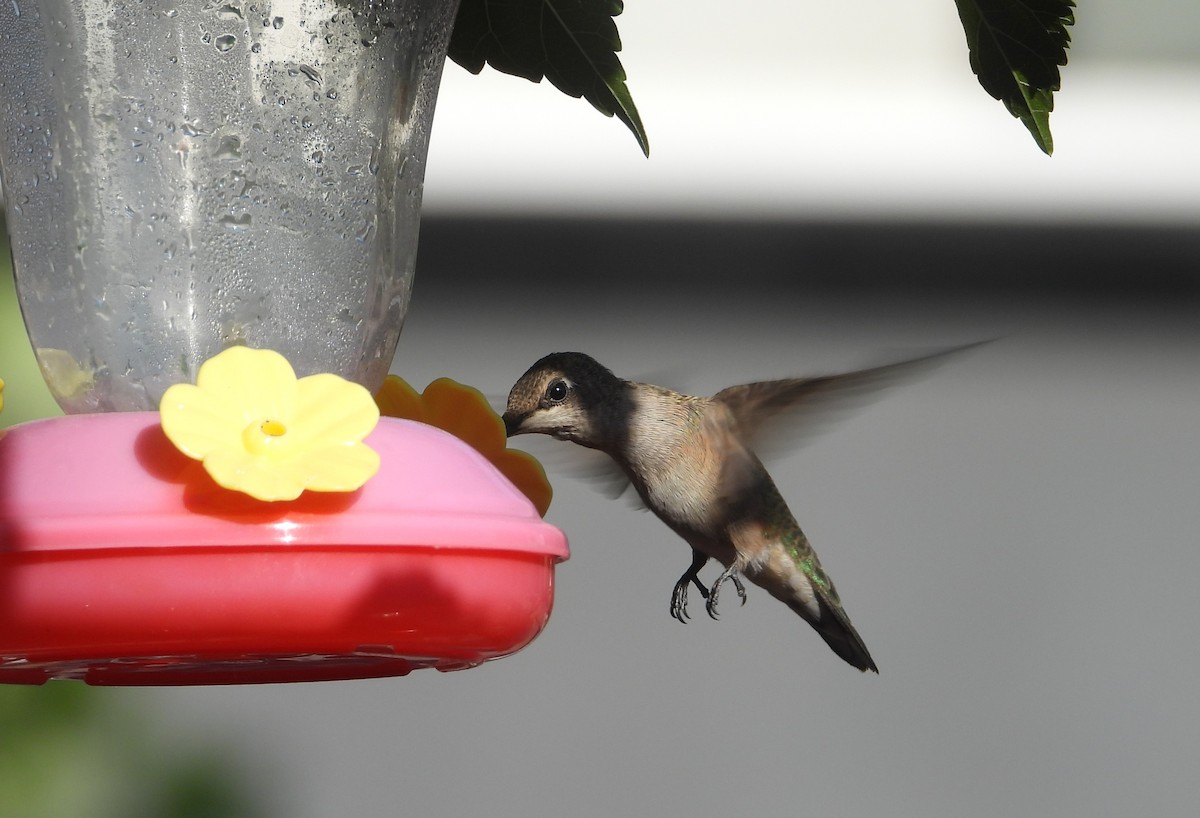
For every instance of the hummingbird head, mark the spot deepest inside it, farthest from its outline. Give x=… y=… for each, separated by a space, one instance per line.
x=567 y=395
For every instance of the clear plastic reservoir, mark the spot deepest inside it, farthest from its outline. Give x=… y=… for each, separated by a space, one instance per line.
x=185 y=176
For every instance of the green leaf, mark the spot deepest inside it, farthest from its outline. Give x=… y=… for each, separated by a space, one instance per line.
x=1016 y=47
x=572 y=43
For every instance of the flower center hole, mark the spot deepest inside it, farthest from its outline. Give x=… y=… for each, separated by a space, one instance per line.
x=266 y=437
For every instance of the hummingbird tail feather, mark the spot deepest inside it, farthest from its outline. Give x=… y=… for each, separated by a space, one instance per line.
x=799 y=581
x=834 y=627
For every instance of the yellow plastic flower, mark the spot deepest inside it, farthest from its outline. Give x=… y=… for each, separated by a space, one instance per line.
x=261 y=431
x=1 y=394
x=464 y=412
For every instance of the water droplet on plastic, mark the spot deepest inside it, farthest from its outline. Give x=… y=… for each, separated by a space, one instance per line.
x=229 y=12
x=277 y=23
x=313 y=74
x=225 y=42
x=236 y=223
x=230 y=147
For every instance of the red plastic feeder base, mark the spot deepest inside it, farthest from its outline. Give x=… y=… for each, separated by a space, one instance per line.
x=121 y=563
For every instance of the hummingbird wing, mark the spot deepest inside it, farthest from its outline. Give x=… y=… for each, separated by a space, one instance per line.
x=788 y=412
x=590 y=466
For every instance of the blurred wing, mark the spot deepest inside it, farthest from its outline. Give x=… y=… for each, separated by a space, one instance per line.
x=787 y=413
x=591 y=466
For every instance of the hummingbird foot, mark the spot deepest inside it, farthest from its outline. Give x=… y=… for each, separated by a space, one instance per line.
x=679 y=599
x=729 y=573
x=680 y=594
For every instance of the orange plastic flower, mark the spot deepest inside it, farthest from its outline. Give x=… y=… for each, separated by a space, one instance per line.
x=464 y=412
x=261 y=431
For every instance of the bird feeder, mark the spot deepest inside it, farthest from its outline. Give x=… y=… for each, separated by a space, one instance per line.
x=183 y=179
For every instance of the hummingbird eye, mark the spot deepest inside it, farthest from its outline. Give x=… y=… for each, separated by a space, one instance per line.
x=557 y=391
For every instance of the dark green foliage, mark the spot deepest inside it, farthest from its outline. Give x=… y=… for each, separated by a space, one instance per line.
x=67 y=749
x=1016 y=48
x=572 y=43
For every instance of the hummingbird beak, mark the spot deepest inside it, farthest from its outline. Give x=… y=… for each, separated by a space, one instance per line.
x=512 y=423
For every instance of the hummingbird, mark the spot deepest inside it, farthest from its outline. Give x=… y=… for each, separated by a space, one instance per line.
x=692 y=462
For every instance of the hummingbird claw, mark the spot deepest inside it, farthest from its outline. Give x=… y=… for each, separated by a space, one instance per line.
x=741 y=589
x=711 y=603
x=729 y=573
x=679 y=600
x=680 y=594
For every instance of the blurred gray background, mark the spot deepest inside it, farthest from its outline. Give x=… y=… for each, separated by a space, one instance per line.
x=1015 y=536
